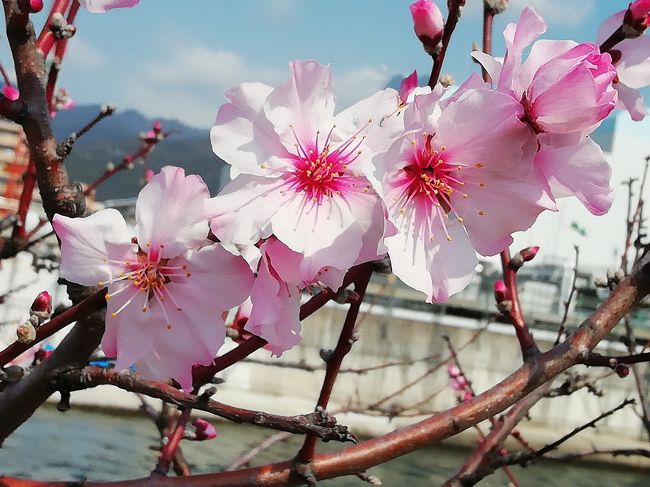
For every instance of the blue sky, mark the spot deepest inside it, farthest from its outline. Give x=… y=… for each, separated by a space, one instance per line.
x=175 y=59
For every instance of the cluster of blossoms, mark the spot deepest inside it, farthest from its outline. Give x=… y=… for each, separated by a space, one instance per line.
x=428 y=177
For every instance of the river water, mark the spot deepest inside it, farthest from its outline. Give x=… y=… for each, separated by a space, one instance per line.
x=81 y=445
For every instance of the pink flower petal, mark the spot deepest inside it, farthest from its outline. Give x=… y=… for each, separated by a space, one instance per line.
x=242 y=136
x=632 y=101
x=304 y=104
x=276 y=305
x=241 y=213
x=579 y=170
x=169 y=212
x=85 y=249
x=102 y=6
x=438 y=267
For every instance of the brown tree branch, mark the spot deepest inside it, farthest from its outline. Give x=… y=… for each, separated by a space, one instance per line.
x=88 y=377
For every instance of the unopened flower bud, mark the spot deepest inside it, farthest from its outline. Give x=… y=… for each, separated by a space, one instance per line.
x=12 y=373
x=204 y=430
x=497 y=6
x=31 y=6
x=110 y=166
x=447 y=80
x=529 y=253
x=505 y=306
x=467 y=396
x=428 y=24
x=10 y=92
x=26 y=333
x=500 y=291
x=453 y=371
x=157 y=126
x=43 y=302
x=622 y=370
x=636 y=18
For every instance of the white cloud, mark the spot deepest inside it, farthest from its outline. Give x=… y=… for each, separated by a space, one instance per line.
x=560 y=12
x=352 y=86
x=84 y=55
x=189 y=82
x=555 y=12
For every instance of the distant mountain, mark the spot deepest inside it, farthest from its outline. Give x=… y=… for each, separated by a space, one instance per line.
x=118 y=135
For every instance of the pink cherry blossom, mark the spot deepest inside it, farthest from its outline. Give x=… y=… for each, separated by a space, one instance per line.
x=299 y=171
x=565 y=87
x=101 y=6
x=167 y=284
x=632 y=61
x=10 y=92
x=566 y=91
x=281 y=276
x=460 y=179
x=427 y=23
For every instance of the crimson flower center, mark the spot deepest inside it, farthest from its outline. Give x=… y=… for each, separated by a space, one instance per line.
x=321 y=168
x=148 y=276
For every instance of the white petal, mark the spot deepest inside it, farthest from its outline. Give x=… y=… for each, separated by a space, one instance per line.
x=88 y=243
x=169 y=212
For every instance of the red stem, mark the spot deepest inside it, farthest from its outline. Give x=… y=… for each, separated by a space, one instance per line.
x=174 y=440
x=450 y=25
x=84 y=308
x=343 y=347
x=488 y=21
x=525 y=337
x=59 y=53
x=46 y=38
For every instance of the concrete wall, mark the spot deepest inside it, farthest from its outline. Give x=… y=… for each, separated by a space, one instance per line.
x=400 y=334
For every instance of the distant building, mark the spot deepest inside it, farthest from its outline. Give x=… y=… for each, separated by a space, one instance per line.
x=14 y=158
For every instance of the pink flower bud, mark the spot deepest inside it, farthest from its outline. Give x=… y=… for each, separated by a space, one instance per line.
x=455 y=385
x=148 y=174
x=428 y=23
x=31 y=6
x=501 y=291
x=407 y=85
x=622 y=371
x=529 y=253
x=204 y=430
x=10 y=92
x=467 y=396
x=157 y=127
x=43 y=302
x=453 y=371
x=637 y=16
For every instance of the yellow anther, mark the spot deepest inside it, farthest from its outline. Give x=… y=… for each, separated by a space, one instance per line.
x=481 y=213
x=107 y=296
x=449 y=238
x=479 y=165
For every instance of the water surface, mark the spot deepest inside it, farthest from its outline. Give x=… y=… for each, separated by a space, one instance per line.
x=79 y=445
